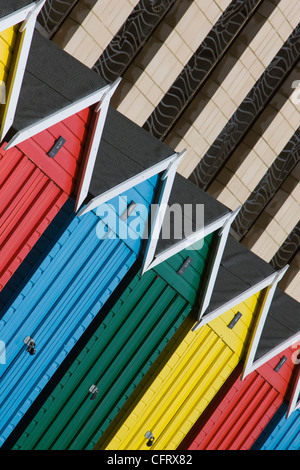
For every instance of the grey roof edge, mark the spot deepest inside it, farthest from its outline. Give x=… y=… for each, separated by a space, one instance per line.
x=233 y=281
x=281 y=327
x=9 y=7
x=194 y=209
x=53 y=82
x=125 y=151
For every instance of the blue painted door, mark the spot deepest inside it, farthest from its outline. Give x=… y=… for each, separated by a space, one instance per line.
x=281 y=433
x=62 y=297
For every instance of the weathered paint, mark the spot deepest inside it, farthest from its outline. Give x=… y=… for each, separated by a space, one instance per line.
x=182 y=382
x=119 y=354
x=34 y=187
x=281 y=433
x=58 y=303
x=243 y=408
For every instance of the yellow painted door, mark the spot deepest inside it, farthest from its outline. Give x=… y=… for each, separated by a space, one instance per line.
x=183 y=381
x=8 y=40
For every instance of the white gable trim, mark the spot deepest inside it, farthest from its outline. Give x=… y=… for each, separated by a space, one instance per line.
x=33 y=14
x=189 y=240
x=130 y=183
x=222 y=240
x=168 y=180
x=235 y=301
x=59 y=116
x=17 y=16
x=186 y=242
x=93 y=144
x=17 y=75
x=294 y=403
x=250 y=365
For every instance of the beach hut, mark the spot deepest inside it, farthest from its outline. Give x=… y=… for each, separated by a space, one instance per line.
x=247 y=402
x=281 y=433
x=44 y=318
x=112 y=363
x=17 y=23
x=195 y=363
x=61 y=113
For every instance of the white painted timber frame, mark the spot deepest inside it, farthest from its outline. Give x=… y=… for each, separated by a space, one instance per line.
x=129 y=183
x=17 y=16
x=294 y=403
x=64 y=113
x=250 y=364
x=265 y=283
x=168 y=180
x=169 y=166
x=93 y=144
x=214 y=268
x=27 y=15
x=223 y=225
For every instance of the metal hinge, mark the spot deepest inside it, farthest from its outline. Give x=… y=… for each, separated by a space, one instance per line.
x=150 y=438
x=30 y=345
x=94 y=391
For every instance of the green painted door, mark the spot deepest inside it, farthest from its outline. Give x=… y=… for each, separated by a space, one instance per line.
x=118 y=355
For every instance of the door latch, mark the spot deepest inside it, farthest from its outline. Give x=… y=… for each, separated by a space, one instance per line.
x=30 y=345
x=94 y=391
x=150 y=438
x=129 y=209
x=280 y=363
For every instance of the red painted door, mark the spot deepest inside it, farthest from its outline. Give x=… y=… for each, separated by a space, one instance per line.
x=64 y=167
x=34 y=186
x=242 y=409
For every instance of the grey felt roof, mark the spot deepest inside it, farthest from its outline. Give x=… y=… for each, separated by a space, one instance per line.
x=239 y=270
x=282 y=323
x=184 y=198
x=53 y=79
x=10 y=6
x=125 y=151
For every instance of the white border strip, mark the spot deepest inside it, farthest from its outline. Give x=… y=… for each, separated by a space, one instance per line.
x=27 y=30
x=294 y=403
x=59 y=116
x=222 y=240
x=188 y=241
x=131 y=182
x=168 y=180
x=16 y=17
x=250 y=365
x=235 y=301
x=93 y=145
